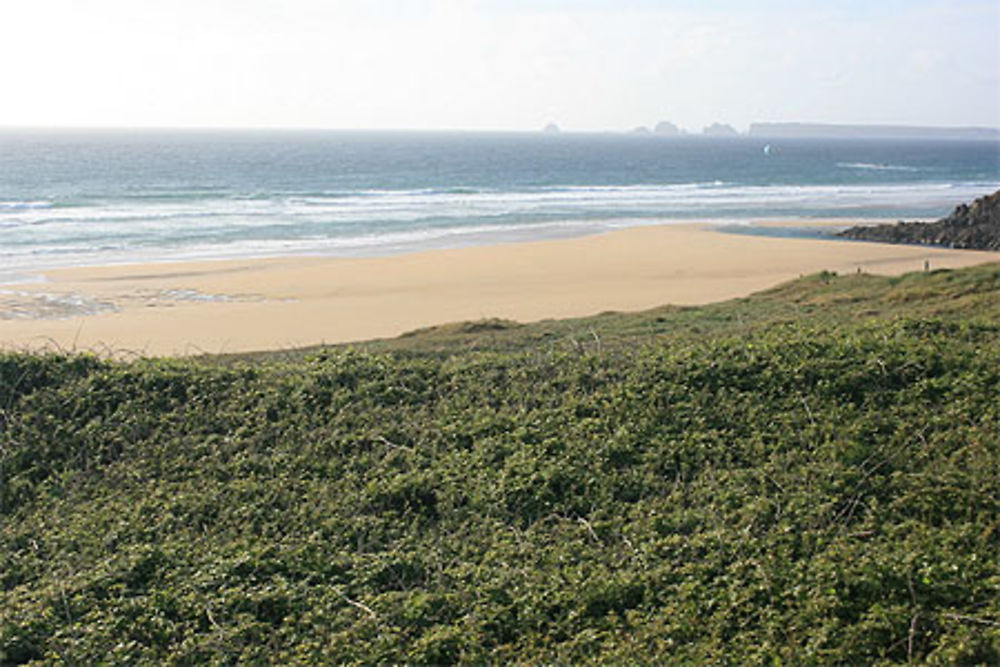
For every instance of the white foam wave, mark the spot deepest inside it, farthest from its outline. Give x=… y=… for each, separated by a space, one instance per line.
x=132 y=218
x=386 y=221
x=874 y=166
x=6 y=206
x=384 y=243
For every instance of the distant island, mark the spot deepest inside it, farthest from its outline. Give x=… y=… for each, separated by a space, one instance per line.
x=970 y=227
x=720 y=130
x=767 y=130
x=830 y=131
x=667 y=129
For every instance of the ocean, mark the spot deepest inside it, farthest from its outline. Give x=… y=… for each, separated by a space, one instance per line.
x=70 y=198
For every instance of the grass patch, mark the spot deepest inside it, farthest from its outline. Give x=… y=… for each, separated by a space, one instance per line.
x=808 y=475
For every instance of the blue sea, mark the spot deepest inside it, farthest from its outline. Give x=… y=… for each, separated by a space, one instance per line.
x=100 y=197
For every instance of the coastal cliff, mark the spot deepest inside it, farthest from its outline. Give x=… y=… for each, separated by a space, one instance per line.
x=972 y=227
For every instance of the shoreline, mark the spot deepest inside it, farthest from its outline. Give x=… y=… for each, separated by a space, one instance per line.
x=35 y=272
x=229 y=306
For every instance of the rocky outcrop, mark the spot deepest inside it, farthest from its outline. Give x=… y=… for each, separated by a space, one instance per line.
x=972 y=227
x=667 y=129
x=720 y=130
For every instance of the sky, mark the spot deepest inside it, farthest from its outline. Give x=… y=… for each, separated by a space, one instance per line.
x=588 y=65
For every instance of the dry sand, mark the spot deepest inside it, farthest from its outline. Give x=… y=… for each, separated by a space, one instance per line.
x=236 y=306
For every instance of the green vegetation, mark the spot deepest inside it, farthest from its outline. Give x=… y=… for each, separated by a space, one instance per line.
x=810 y=475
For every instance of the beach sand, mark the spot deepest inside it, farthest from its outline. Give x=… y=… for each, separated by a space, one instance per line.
x=269 y=304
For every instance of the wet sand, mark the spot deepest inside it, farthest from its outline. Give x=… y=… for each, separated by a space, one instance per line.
x=268 y=304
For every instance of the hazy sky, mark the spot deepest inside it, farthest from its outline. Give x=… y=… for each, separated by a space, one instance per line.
x=493 y=64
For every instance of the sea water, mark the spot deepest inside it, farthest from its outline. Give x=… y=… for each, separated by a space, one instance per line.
x=100 y=197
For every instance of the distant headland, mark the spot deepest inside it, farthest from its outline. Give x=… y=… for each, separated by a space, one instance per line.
x=830 y=131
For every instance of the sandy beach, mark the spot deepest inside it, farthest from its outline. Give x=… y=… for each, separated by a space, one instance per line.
x=267 y=304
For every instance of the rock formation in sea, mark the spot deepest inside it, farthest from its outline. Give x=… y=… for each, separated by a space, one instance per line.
x=667 y=129
x=720 y=130
x=973 y=226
